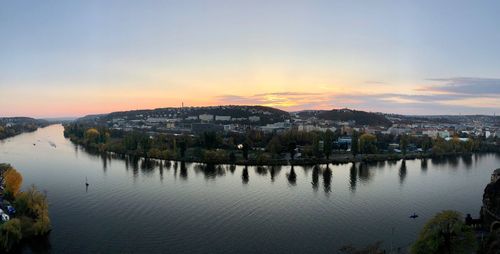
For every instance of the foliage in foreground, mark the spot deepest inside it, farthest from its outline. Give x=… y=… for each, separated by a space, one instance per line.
x=446 y=233
x=32 y=211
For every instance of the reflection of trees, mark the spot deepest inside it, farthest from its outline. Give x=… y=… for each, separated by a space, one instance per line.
x=364 y=172
x=183 y=171
x=161 y=171
x=392 y=162
x=315 y=177
x=104 y=159
x=453 y=161
x=273 y=171
x=40 y=244
x=134 y=161
x=147 y=166
x=353 y=177
x=244 y=175
x=437 y=161
x=210 y=171
x=292 y=177
x=467 y=160
x=423 y=164
x=168 y=164
x=261 y=170
x=232 y=168
x=402 y=172
x=327 y=179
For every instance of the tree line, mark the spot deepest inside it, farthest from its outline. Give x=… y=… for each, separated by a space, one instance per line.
x=260 y=148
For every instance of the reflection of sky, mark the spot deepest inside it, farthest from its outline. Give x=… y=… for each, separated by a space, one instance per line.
x=75 y=58
x=214 y=209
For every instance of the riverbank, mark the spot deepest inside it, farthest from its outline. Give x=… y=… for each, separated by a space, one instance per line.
x=12 y=131
x=24 y=215
x=258 y=159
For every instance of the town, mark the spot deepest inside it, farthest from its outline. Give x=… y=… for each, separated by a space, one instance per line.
x=272 y=134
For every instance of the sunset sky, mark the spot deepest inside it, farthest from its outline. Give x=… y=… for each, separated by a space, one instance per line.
x=72 y=58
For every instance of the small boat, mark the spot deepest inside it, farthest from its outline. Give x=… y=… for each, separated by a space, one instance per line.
x=414 y=216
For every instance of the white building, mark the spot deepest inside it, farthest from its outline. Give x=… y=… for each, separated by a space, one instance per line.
x=206 y=117
x=192 y=118
x=222 y=118
x=254 y=118
x=444 y=134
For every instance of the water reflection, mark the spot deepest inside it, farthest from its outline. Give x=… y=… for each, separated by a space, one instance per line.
x=467 y=161
x=358 y=172
x=160 y=168
x=274 y=171
x=315 y=177
x=183 y=172
x=327 y=179
x=423 y=164
x=261 y=170
x=244 y=175
x=232 y=168
x=353 y=175
x=364 y=173
x=402 y=172
x=292 y=177
x=210 y=171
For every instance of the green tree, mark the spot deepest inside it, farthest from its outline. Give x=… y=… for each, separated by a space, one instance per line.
x=355 y=143
x=328 y=145
x=10 y=234
x=274 y=146
x=403 y=143
x=367 y=144
x=446 y=233
x=291 y=149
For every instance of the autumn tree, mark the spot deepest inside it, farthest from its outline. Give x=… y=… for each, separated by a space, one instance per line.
x=91 y=136
x=13 y=181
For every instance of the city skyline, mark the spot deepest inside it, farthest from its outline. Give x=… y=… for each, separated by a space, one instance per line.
x=64 y=59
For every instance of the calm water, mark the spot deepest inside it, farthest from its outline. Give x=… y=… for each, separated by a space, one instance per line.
x=141 y=207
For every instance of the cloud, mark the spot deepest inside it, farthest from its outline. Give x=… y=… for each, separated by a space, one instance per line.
x=465 y=86
x=443 y=96
x=286 y=100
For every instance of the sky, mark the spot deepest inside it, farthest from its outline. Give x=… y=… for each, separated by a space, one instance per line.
x=72 y=58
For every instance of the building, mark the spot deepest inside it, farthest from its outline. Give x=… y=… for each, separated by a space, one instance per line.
x=206 y=127
x=254 y=118
x=191 y=118
x=206 y=117
x=222 y=118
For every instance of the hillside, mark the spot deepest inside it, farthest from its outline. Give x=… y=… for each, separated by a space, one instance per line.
x=360 y=117
x=266 y=114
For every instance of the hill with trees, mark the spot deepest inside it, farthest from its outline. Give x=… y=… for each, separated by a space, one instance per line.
x=266 y=114
x=11 y=126
x=344 y=115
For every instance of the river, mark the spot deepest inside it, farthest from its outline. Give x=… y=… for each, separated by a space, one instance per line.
x=151 y=207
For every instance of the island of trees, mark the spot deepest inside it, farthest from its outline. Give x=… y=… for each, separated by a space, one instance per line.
x=24 y=215
x=260 y=148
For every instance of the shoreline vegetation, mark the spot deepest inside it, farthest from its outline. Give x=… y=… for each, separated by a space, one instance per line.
x=10 y=127
x=253 y=148
x=24 y=215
